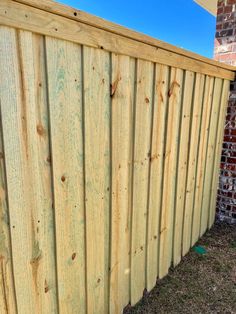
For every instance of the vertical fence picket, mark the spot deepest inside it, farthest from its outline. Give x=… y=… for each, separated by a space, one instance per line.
x=142 y=142
x=184 y=139
x=192 y=162
x=207 y=103
x=96 y=69
x=156 y=171
x=65 y=108
x=7 y=288
x=170 y=168
x=216 y=102
x=26 y=147
x=123 y=70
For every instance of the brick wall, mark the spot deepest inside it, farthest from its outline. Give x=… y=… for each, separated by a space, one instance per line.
x=225 y=51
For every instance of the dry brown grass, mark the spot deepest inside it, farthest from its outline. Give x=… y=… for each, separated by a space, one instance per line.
x=200 y=283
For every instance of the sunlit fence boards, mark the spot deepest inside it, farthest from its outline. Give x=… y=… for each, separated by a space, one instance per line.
x=109 y=155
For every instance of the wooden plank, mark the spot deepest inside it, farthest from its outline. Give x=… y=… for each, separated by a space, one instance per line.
x=142 y=144
x=25 y=17
x=46 y=222
x=65 y=103
x=7 y=287
x=170 y=167
x=192 y=161
x=123 y=71
x=97 y=175
x=202 y=150
x=11 y=103
x=210 y=155
x=27 y=175
x=182 y=164
x=156 y=172
x=218 y=148
x=80 y=16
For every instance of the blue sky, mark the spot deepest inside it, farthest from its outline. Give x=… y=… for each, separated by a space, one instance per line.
x=180 y=22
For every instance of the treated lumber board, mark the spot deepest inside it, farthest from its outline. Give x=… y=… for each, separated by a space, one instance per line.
x=25 y=174
x=184 y=139
x=156 y=171
x=11 y=104
x=202 y=150
x=80 y=16
x=170 y=168
x=96 y=69
x=192 y=161
x=142 y=145
x=123 y=72
x=208 y=175
x=26 y=17
x=7 y=287
x=64 y=72
x=217 y=155
x=47 y=230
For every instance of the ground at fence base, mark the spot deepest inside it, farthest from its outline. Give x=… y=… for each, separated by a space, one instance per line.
x=200 y=283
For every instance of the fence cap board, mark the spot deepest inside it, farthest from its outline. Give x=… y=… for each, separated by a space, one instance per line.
x=191 y=61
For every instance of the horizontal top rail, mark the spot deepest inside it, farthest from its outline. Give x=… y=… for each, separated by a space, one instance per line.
x=61 y=21
x=78 y=15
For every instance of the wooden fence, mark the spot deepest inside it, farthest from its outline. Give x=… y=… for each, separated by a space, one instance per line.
x=109 y=153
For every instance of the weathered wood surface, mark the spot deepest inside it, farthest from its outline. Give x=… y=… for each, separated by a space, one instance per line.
x=109 y=156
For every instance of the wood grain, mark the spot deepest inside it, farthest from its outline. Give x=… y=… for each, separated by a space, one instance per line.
x=123 y=72
x=80 y=16
x=202 y=150
x=28 y=18
x=64 y=72
x=156 y=172
x=184 y=139
x=208 y=175
x=142 y=146
x=170 y=171
x=109 y=157
x=28 y=178
x=192 y=161
x=7 y=287
x=96 y=69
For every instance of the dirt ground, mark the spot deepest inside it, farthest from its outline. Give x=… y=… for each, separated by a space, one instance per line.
x=200 y=283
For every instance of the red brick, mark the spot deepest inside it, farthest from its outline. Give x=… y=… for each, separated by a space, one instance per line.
x=231 y=160
x=225 y=51
x=232 y=131
x=231 y=1
x=225 y=33
x=226 y=57
x=228 y=9
x=220 y=10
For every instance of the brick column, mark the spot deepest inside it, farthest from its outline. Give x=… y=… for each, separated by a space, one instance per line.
x=225 y=51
